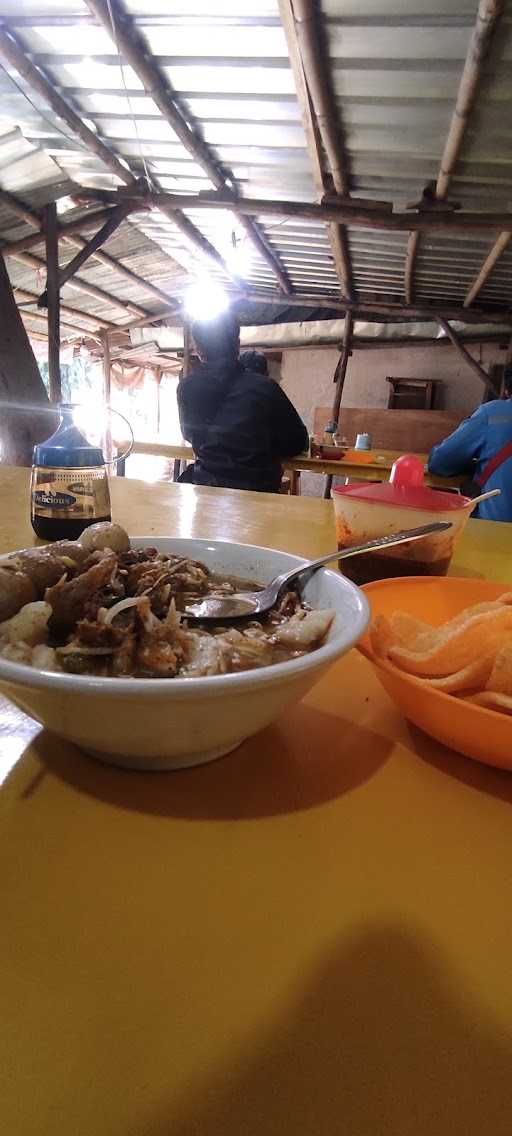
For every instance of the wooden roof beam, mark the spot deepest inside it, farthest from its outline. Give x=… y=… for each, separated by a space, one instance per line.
x=345 y=212
x=488 y=14
x=13 y=55
x=65 y=229
x=68 y=233
x=131 y=43
x=363 y=306
x=73 y=313
x=491 y=259
x=80 y=285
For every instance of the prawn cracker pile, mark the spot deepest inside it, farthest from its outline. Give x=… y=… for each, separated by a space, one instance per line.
x=98 y=607
x=470 y=656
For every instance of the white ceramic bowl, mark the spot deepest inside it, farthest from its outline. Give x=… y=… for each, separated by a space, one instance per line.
x=172 y=723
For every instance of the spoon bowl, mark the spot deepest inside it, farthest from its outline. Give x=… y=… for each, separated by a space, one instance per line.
x=246 y=605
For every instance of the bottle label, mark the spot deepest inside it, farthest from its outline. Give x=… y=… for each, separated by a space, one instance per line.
x=70 y=494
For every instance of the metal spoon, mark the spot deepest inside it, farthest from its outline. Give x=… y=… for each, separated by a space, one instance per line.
x=245 y=604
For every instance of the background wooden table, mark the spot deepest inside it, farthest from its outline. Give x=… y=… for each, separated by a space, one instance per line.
x=311 y=935
x=377 y=470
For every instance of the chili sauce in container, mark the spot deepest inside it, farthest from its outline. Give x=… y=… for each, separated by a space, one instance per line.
x=369 y=510
x=69 y=487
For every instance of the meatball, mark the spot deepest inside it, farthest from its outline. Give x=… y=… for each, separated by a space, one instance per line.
x=16 y=589
x=42 y=567
x=105 y=535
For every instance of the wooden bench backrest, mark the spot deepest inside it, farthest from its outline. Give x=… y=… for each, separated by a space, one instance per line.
x=414 y=431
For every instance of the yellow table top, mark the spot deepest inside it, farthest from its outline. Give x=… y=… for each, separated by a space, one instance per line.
x=311 y=935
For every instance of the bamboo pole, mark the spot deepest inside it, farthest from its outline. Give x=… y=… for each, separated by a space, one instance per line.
x=13 y=54
x=66 y=310
x=299 y=23
x=38 y=317
x=121 y=270
x=52 y=287
x=487 y=17
x=79 y=285
x=489 y=12
x=134 y=49
x=497 y=250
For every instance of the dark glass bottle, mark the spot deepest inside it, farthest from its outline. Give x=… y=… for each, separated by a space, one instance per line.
x=69 y=488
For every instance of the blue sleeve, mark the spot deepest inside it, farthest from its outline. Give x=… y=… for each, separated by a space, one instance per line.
x=457 y=453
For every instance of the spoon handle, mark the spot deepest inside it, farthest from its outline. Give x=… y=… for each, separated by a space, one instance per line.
x=378 y=542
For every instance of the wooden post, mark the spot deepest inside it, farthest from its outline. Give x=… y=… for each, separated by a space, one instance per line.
x=463 y=352
x=339 y=378
x=107 y=389
x=341 y=369
x=187 y=348
x=52 y=288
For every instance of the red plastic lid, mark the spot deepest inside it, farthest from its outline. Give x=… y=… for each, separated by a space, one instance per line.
x=406 y=488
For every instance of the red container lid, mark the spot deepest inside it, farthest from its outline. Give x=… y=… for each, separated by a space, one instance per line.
x=405 y=488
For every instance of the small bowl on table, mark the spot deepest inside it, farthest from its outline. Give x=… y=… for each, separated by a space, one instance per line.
x=171 y=723
x=475 y=731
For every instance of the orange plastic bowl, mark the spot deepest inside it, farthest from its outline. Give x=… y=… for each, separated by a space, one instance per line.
x=485 y=735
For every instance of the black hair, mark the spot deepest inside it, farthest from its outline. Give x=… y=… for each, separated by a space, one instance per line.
x=254 y=361
x=217 y=338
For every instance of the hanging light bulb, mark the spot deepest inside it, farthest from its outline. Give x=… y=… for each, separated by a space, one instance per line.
x=205 y=299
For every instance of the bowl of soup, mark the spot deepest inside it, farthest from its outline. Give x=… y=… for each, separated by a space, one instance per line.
x=115 y=668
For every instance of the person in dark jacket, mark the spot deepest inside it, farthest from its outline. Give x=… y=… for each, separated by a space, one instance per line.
x=239 y=423
x=474 y=444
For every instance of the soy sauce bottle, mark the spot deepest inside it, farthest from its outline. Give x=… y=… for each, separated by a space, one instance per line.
x=69 y=488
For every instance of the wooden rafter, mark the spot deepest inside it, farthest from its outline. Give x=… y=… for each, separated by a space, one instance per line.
x=132 y=45
x=122 y=270
x=64 y=229
x=347 y=212
x=80 y=285
x=498 y=248
x=73 y=314
x=488 y=14
x=69 y=232
x=464 y=353
x=12 y=53
x=318 y=122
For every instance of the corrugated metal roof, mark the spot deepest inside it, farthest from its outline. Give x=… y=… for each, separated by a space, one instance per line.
x=394 y=66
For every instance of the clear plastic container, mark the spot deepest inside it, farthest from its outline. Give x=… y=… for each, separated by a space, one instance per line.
x=365 y=511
